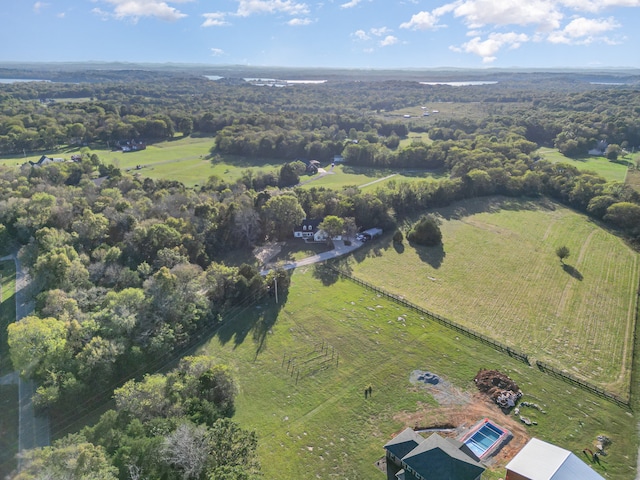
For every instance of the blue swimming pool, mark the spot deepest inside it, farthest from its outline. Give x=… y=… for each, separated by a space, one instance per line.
x=485 y=437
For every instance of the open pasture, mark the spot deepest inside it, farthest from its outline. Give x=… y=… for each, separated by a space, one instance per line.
x=7 y=311
x=8 y=390
x=364 y=177
x=302 y=371
x=614 y=172
x=448 y=111
x=497 y=273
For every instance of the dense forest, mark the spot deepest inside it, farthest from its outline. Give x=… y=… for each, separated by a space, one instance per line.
x=128 y=270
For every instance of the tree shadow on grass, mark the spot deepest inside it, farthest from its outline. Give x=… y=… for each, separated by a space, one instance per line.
x=493 y=204
x=434 y=256
x=257 y=318
x=571 y=270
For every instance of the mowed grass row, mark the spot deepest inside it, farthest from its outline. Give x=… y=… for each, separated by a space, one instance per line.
x=610 y=170
x=323 y=427
x=497 y=273
x=7 y=311
x=8 y=393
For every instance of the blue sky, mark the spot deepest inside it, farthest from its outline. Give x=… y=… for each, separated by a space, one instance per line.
x=331 y=33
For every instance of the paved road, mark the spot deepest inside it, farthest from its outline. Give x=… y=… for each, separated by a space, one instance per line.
x=339 y=249
x=33 y=430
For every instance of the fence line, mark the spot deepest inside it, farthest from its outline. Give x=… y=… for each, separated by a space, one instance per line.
x=567 y=377
x=523 y=357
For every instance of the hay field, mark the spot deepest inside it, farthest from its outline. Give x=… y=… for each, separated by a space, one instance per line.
x=498 y=274
x=323 y=427
x=600 y=165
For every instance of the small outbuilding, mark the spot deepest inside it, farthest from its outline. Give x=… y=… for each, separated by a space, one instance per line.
x=540 y=460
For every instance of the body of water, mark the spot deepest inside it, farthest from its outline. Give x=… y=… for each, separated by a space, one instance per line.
x=20 y=80
x=461 y=84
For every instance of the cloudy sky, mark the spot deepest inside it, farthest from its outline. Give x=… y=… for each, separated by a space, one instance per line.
x=330 y=33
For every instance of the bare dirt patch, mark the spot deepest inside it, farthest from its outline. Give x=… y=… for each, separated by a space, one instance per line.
x=461 y=410
x=264 y=253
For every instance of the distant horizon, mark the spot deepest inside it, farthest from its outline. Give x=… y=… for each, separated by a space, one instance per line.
x=115 y=63
x=336 y=34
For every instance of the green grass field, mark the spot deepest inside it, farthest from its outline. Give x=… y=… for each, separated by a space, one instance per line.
x=600 y=165
x=7 y=311
x=365 y=177
x=8 y=393
x=317 y=424
x=8 y=428
x=498 y=274
x=422 y=137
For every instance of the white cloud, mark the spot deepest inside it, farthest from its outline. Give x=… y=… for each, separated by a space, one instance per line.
x=216 y=19
x=388 y=40
x=350 y=4
x=61 y=15
x=598 y=5
x=217 y=52
x=299 y=22
x=101 y=13
x=361 y=35
x=477 y=13
x=39 y=6
x=584 y=31
x=488 y=48
x=422 y=21
x=136 y=9
x=580 y=27
x=251 y=7
x=378 y=32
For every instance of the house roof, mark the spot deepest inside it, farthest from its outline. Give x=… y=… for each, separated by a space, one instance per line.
x=540 y=460
x=442 y=459
x=404 y=442
x=313 y=223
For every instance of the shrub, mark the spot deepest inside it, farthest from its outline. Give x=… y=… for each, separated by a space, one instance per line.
x=426 y=231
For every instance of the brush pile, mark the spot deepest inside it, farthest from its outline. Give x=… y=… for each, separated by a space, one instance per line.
x=499 y=387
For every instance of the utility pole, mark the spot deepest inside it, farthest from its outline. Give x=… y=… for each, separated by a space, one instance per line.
x=275 y=283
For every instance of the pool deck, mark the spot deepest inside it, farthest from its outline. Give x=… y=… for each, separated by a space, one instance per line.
x=504 y=437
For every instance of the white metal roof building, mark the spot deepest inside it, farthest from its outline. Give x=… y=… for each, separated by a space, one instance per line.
x=540 y=460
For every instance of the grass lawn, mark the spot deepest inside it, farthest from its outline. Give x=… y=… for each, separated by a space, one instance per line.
x=7 y=311
x=415 y=137
x=8 y=393
x=633 y=179
x=297 y=249
x=498 y=274
x=366 y=177
x=8 y=428
x=600 y=165
x=342 y=338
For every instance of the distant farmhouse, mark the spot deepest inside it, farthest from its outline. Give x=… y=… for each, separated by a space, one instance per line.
x=44 y=160
x=410 y=456
x=309 y=231
x=131 y=145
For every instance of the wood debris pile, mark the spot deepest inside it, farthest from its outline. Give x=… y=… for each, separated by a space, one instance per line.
x=502 y=390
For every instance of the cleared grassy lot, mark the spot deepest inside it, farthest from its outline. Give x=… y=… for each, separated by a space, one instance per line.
x=600 y=165
x=8 y=428
x=8 y=393
x=346 y=175
x=323 y=427
x=7 y=311
x=498 y=274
